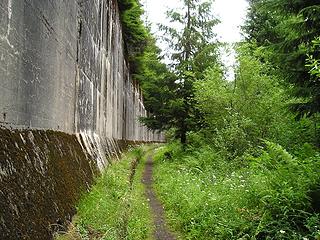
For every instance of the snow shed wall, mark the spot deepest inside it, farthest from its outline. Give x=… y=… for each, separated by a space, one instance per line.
x=66 y=102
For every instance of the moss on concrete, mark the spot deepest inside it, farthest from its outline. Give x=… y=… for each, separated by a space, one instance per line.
x=42 y=175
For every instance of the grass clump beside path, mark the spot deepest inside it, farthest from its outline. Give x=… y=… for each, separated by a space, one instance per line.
x=272 y=195
x=116 y=207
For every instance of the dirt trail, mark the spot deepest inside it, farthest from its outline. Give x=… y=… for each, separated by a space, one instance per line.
x=161 y=231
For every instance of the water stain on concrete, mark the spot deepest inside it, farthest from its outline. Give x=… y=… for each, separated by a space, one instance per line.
x=42 y=175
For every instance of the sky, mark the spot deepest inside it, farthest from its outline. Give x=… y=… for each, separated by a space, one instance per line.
x=231 y=13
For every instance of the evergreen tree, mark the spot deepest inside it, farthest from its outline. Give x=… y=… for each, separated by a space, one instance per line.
x=135 y=34
x=288 y=28
x=193 y=50
x=158 y=87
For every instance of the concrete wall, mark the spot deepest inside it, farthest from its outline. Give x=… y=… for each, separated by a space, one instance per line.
x=37 y=63
x=64 y=77
x=62 y=67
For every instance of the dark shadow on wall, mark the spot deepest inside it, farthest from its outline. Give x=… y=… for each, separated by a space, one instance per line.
x=42 y=175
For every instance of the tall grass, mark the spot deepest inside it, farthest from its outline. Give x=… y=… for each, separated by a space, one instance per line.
x=268 y=196
x=116 y=207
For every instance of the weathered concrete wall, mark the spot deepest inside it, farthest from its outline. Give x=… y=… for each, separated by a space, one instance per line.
x=37 y=63
x=62 y=69
x=108 y=103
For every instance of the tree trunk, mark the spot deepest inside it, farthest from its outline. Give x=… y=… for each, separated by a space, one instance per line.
x=183 y=137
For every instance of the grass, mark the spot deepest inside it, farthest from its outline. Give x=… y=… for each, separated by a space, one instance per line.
x=271 y=195
x=262 y=197
x=116 y=207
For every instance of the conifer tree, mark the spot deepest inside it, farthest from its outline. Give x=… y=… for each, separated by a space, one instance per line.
x=193 y=50
x=288 y=29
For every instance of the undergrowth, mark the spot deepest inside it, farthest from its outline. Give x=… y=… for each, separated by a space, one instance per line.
x=116 y=207
x=273 y=195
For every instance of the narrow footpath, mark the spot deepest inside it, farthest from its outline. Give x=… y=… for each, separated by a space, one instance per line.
x=161 y=232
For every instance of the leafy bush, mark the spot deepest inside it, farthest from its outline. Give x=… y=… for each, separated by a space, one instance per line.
x=254 y=106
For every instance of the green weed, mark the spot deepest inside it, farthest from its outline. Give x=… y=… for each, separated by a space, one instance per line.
x=116 y=207
x=206 y=196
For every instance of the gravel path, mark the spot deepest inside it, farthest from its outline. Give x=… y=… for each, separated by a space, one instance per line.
x=161 y=231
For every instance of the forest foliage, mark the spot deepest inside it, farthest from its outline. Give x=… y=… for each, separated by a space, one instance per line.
x=242 y=160
x=193 y=49
x=243 y=155
x=289 y=30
